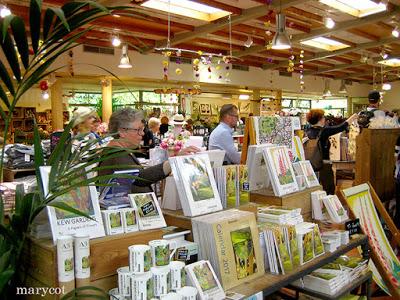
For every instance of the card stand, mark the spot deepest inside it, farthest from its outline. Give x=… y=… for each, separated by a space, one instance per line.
x=107 y=254
x=170 y=198
x=300 y=199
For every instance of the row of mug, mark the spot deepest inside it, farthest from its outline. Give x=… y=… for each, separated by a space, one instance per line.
x=157 y=254
x=185 y=293
x=157 y=283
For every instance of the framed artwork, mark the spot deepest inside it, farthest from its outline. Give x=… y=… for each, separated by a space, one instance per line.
x=195 y=107
x=215 y=109
x=205 y=109
x=244 y=107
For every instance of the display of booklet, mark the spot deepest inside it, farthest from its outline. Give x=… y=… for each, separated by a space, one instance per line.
x=196 y=185
x=84 y=199
x=232 y=184
x=149 y=213
x=273 y=130
x=257 y=168
x=280 y=170
x=230 y=241
x=335 y=209
x=305 y=242
x=298 y=149
x=318 y=209
x=201 y=275
x=115 y=194
x=305 y=168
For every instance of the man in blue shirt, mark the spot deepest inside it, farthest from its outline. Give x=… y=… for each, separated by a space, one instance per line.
x=221 y=137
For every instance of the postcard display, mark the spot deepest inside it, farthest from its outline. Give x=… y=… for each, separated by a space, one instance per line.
x=230 y=241
x=196 y=185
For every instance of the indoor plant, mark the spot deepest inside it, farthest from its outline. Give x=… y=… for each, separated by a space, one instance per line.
x=51 y=34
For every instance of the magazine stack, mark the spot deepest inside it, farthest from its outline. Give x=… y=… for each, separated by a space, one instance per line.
x=280 y=215
x=230 y=241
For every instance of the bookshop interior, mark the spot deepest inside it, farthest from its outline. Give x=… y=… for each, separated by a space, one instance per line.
x=200 y=149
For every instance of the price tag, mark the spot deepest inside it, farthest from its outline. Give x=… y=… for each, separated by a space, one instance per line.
x=182 y=254
x=246 y=186
x=27 y=158
x=353 y=226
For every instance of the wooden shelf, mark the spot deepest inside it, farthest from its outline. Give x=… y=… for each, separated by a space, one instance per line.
x=366 y=278
x=269 y=283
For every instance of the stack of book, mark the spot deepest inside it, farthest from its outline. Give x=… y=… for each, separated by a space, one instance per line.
x=196 y=185
x=354 y=266
x=333 y=239
x=279 y=243
x=280 y=215
x=258 y=178
x=326 y=281
x=233 y=186
x=230 y=241
x=335 y=209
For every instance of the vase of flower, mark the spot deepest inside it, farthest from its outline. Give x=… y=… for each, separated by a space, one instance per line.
x=172 y=145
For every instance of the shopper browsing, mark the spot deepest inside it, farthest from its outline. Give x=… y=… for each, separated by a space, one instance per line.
x=127 y=126
x=318 y=130
x=221 y=137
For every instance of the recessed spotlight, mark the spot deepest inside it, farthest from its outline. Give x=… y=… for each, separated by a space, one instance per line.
x=396 y=32
x=329 y=23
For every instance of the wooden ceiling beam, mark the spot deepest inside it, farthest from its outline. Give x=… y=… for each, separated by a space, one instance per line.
x=363 y=34
x=247 y=14
x=332 y=54
x=326 y=31
x=232 y=9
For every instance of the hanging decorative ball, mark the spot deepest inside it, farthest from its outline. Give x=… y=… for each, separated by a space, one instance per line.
x=220 y=77
x=165 y=63
x=291 y=63
x=292 y=57
x=227 y=68
x=209 y=76
x=178 y=61
x=43 y=85
x=227 y=74
x=178 y=71
x=196 y=61
x=218 y=67
x=209 y=69
x=169 y=53
x=291 y=24
x=268 y=2
x=200 y=52
x=269 y=46
x=197 y=74
x=268 y=33
x=178 y=53
x=267 y=23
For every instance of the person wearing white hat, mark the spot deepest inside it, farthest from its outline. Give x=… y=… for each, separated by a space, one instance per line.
x=178 y=121
x=82 y=120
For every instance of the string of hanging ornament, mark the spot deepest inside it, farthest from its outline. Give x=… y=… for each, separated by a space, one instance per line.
x=207 y=59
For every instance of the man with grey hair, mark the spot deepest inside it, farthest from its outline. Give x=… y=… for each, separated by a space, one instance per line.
x=221 y=137
x=128 y=129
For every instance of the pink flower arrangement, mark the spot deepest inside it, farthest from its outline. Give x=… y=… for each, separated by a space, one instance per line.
x=171 y=143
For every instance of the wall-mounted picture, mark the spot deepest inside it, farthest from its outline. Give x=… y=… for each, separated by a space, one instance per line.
x=244 y=108
x=215 y=109
x=195 y=107
x=205 y=109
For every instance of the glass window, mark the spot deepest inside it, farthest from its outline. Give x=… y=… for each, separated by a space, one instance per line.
x=151 y=97
x=86 y=99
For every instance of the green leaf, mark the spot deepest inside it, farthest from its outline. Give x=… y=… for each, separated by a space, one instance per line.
x=64 y=206
x=39 y=157
x=4 y=97
x=4 y=260
x=1 y=210
x=47 y=22
x=5 y=278
x=6 y=78
x=58 y=150
x=35 y=11
x=60 y=14
x=6 y=25
x=9 y=51
x=70 y=8
x=19 y=33
x=19 y=198
x=97 y=5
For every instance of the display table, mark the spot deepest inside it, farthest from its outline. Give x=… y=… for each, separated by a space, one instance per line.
x=10 y=174
x=301 y=199
x=269 y=283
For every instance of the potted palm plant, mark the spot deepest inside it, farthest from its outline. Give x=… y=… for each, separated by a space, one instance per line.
x=30 y=55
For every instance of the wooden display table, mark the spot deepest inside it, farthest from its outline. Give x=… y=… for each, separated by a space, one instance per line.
x=10 y=174
x=375 y=160
x=269 y=283
x=106 y=255
x=301 y=199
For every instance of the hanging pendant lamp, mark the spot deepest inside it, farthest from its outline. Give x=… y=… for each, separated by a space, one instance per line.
x=125 y=62
x=281 y=40
x=342 y=89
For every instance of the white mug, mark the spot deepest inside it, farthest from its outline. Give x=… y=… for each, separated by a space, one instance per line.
x=160 y=252
x=114 y=294
x=139 y=258
x=142 y=286
x=178 y=275
x=160 y=280
x=188 y=293
x=124 y=281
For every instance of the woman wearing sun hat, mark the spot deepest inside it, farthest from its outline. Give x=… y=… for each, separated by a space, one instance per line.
x=178 y=121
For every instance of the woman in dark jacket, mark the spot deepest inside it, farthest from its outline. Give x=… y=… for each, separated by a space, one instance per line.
x=128 y=128
x=316 y=118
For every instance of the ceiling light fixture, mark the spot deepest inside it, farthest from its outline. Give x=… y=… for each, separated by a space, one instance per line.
x=115 y=41
x=396 y=32
x=342 y=89
x=124 y=62
x=281 y=40
x=327 y=91
x=244 y=97
x=248 y=42
x=4 y=11
x=329 y=23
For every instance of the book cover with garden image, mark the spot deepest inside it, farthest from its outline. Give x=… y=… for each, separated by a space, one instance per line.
x=148 y=211
x=243 y=249
x=231 y=186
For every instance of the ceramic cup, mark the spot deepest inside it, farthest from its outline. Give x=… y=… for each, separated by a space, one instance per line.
x=142 y=286
x=114 y=294
x=139 y=258
x=161 y=252
x=188 y=293
x=178 y=275
x=160 y=280
x=124 y=281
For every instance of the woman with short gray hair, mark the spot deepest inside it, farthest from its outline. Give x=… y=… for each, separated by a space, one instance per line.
x=127 y=127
